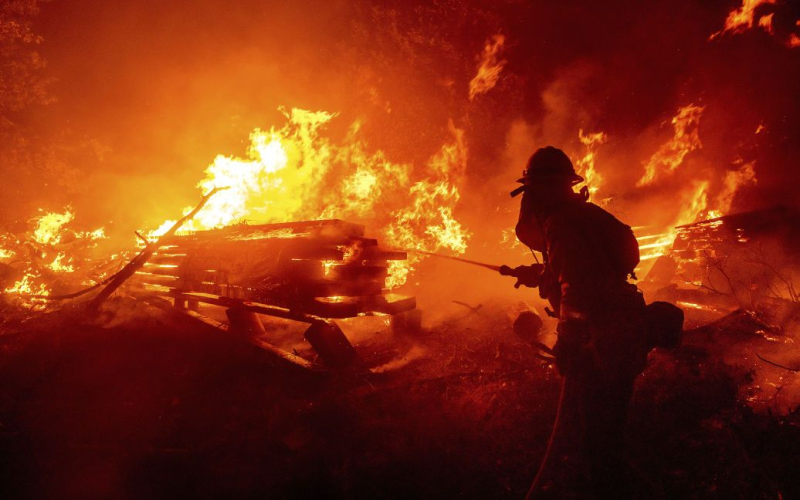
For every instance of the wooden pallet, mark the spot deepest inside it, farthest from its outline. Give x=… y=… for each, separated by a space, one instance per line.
x=311 y=272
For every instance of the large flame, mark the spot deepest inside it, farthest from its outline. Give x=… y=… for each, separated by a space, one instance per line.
x=295 y=173
x=693 y=204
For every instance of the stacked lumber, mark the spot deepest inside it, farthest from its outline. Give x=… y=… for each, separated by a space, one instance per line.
x=326 y=268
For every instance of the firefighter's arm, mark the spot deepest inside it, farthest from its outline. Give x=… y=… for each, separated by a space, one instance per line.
x=526 y=275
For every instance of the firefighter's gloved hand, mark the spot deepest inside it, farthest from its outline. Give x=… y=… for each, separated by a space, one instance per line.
x=526 y=275
x=570 y=348
x=506 y=270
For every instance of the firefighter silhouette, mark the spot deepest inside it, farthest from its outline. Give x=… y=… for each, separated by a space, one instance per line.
x=602 y=344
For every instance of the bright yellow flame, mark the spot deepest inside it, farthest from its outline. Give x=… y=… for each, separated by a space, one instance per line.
x=48 y=227
x=49 y=231
x=97 y=234
x=295 y=173
x=694 y=204
x=398 y=273
x=327 y=266
x=26 y=286
x=427 y=223
x=58 y=266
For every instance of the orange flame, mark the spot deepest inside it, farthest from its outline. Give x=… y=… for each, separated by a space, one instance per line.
x=586 y=168
x=296 y=173
x=671 y=154
x=766 y=23
x=428 y=222
x=489 y=68
x=794 y=40
x=744 y=18
x=48 y=227
x=48 y=237
x=734 y=179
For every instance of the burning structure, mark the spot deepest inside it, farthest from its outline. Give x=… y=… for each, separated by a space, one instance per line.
x=398 y=131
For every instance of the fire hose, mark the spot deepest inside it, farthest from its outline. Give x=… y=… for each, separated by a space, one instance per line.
x=540 y=473
x=459 y=259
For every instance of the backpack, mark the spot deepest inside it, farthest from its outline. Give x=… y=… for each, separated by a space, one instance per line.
x=628 y=250
x=618 y=239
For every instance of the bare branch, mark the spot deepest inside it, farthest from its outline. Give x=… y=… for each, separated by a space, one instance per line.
x=777 y=364
x=137 y=262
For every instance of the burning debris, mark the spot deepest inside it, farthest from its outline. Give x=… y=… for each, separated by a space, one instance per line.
x=50 y=258
x=745 y=261
x=293 y=173
x=302 y=271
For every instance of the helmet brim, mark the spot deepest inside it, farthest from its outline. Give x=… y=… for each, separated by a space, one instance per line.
x=573 y=178
x=527 y=181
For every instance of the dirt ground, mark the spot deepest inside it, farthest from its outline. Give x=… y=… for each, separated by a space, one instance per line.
x=134 y=406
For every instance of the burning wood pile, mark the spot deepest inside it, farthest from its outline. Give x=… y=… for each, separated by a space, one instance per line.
x=304 y=271
x=746 y=261
x=323 y=268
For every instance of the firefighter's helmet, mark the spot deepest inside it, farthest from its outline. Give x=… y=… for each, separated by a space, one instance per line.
x=546 y=165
